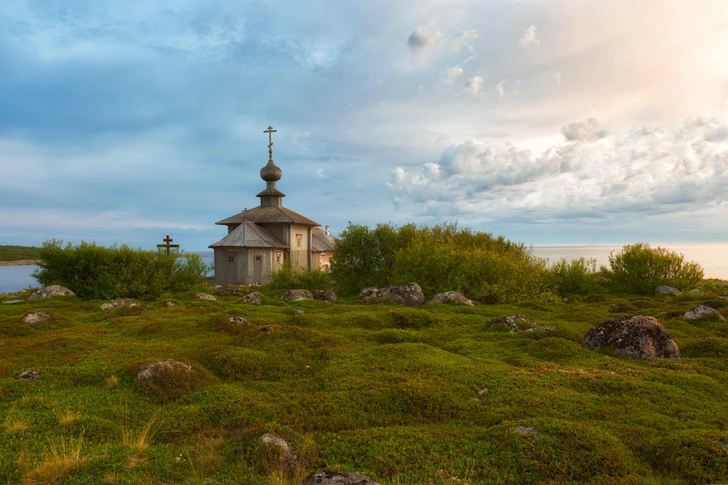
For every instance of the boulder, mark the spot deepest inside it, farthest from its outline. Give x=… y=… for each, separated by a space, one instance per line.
x=701 y=311
x=407 y=295
x=450 y=297
x=338 y=478
x=163 y=366
x=297 y=312
x=238 y=320
x=205 y=296
x=297 y=295
x=254 y=298
x=696 y=291
x=122 y=302
x=51 y=291
x=515 y=323
x=27 y=375
x=324 y=295
x=546 y=328
x=636 y=337
x=667 y=290
x=13 y=302
x=36 y=317
x=170 y=304
x=272 y=440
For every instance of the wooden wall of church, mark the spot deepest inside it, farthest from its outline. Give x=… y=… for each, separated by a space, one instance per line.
x=246 y=266
x=300 y=247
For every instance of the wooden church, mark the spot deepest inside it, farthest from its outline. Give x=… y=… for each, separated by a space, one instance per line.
x=262 y=239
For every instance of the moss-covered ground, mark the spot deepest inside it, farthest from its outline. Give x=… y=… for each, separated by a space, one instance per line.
x=431 y=395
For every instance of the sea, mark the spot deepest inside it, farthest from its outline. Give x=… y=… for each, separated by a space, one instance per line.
x=713 y=257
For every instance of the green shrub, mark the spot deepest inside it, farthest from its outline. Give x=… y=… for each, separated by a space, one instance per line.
x=288 y=278
x=412 y=318
x=575 y=277
x=100 y=273
x=639 y=268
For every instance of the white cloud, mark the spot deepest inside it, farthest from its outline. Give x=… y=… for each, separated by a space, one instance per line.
x=462 y=39
x=299 y=138
x=500 y=87
x=451 y=75
x=557 y=77
x=474 y=85
x=582 y=130
x=421 y=42
x=319 y=173
x=530 y=36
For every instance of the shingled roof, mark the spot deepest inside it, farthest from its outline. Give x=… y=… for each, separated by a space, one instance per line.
x=320 y=241
x=268 y=215
x=250 y=235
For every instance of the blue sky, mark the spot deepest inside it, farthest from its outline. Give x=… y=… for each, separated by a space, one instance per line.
x=548 y=122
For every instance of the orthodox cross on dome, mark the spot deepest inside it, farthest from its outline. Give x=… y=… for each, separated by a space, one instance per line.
x=167 y=240
x=270 y=132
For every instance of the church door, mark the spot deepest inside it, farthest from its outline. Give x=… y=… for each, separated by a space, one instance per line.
x=258 y=269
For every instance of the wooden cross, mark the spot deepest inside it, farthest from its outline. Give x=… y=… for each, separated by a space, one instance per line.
x=270 y=132
x=167 y=240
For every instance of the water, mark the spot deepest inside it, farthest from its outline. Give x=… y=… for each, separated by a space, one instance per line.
x=712 y=257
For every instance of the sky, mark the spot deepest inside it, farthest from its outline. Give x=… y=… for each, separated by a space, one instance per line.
x=545 y=121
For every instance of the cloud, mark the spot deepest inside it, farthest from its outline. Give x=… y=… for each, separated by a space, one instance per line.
x=462 y=39
x=474 y=85
x=582 y=130
x=319 y=173
x=500 y=87
x=299 y=138
x=451 y=74
x=643 y=170
x=530 y=36
x=557 y=77
x=421 y=42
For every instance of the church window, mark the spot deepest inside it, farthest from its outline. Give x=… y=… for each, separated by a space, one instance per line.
x=278 y=257
x=299 y=240
x=231 y=259
x=259 y=258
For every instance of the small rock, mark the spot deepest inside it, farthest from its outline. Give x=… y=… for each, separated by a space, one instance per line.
x=702 y=311
x=265 y=329
x=637 y=337
x=324 y=295
x=170 y=304
x=696 y=291
x=238 y=320
x=36 y=317
x=450 y=297
x=13 y=302
x=205 y=296
x=297 y=295
x=526 y=431
x=514 y=322
x=270 y=439
x=297 y=312
x=547 y=328
x=50 y=291
x=667 y=290
x=122 y=302
x=163 y=366
x=407 y=295
x=565 y=300
x=254 y=298
x=338 y=478
x=27 y=375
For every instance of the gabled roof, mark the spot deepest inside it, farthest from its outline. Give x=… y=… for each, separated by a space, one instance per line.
x=320 y=241
x=269 y=215
x=250 y=235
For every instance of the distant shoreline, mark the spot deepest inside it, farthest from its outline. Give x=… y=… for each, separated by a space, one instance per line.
x=20 y=262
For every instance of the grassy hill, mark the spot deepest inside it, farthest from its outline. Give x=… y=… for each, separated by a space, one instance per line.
x=431 y=395
x=18 y=253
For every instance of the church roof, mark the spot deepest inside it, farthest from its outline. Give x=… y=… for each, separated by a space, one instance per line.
x=250 y=235
x=268 y=215
x=320 y=242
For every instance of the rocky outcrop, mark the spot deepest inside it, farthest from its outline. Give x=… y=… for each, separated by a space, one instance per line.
x=667 y=290
x=27 y=375
x=297 y=295
x=701 y=311
x=36 y=317
x=638 y=337
x=163 y=367
x=338 y=478
x=324 y=295
x=514 y=323
x=240 y=321
x=407 y=295
x=450 y=297
x=254 y=298
x=122 y=302
x=51 y=291
x=205 y=296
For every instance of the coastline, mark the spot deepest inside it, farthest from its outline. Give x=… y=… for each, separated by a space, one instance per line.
x=20 y=262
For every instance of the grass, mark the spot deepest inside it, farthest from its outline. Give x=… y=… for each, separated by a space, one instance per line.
x=19 y=253
x=408 y=396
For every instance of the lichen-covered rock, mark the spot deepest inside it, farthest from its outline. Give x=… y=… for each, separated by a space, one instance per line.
x=338 y=478
x=27 y=375
x=324 y=295
x=636 y=337
x=163 y=367
x=122 y=302
x=297 y=295
x=450 y=297
x=170 y=304
x=205 y=296
x=696 y=291
x=240 y=321
x=254 y=298
x=515 y=323
x=51 y=291
x=526 y=431
x=407 y=295
x=667 y=290
x=36 y=317
x=701 y=311
x=297 y=312
x=546 y=328
x=270 y=439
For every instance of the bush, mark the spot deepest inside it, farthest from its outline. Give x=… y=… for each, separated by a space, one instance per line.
x=639 y=268
x=575 y=277
x=101 y=273
x=288 y=278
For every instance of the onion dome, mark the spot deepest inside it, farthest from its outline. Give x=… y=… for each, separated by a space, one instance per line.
x=271 y=173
